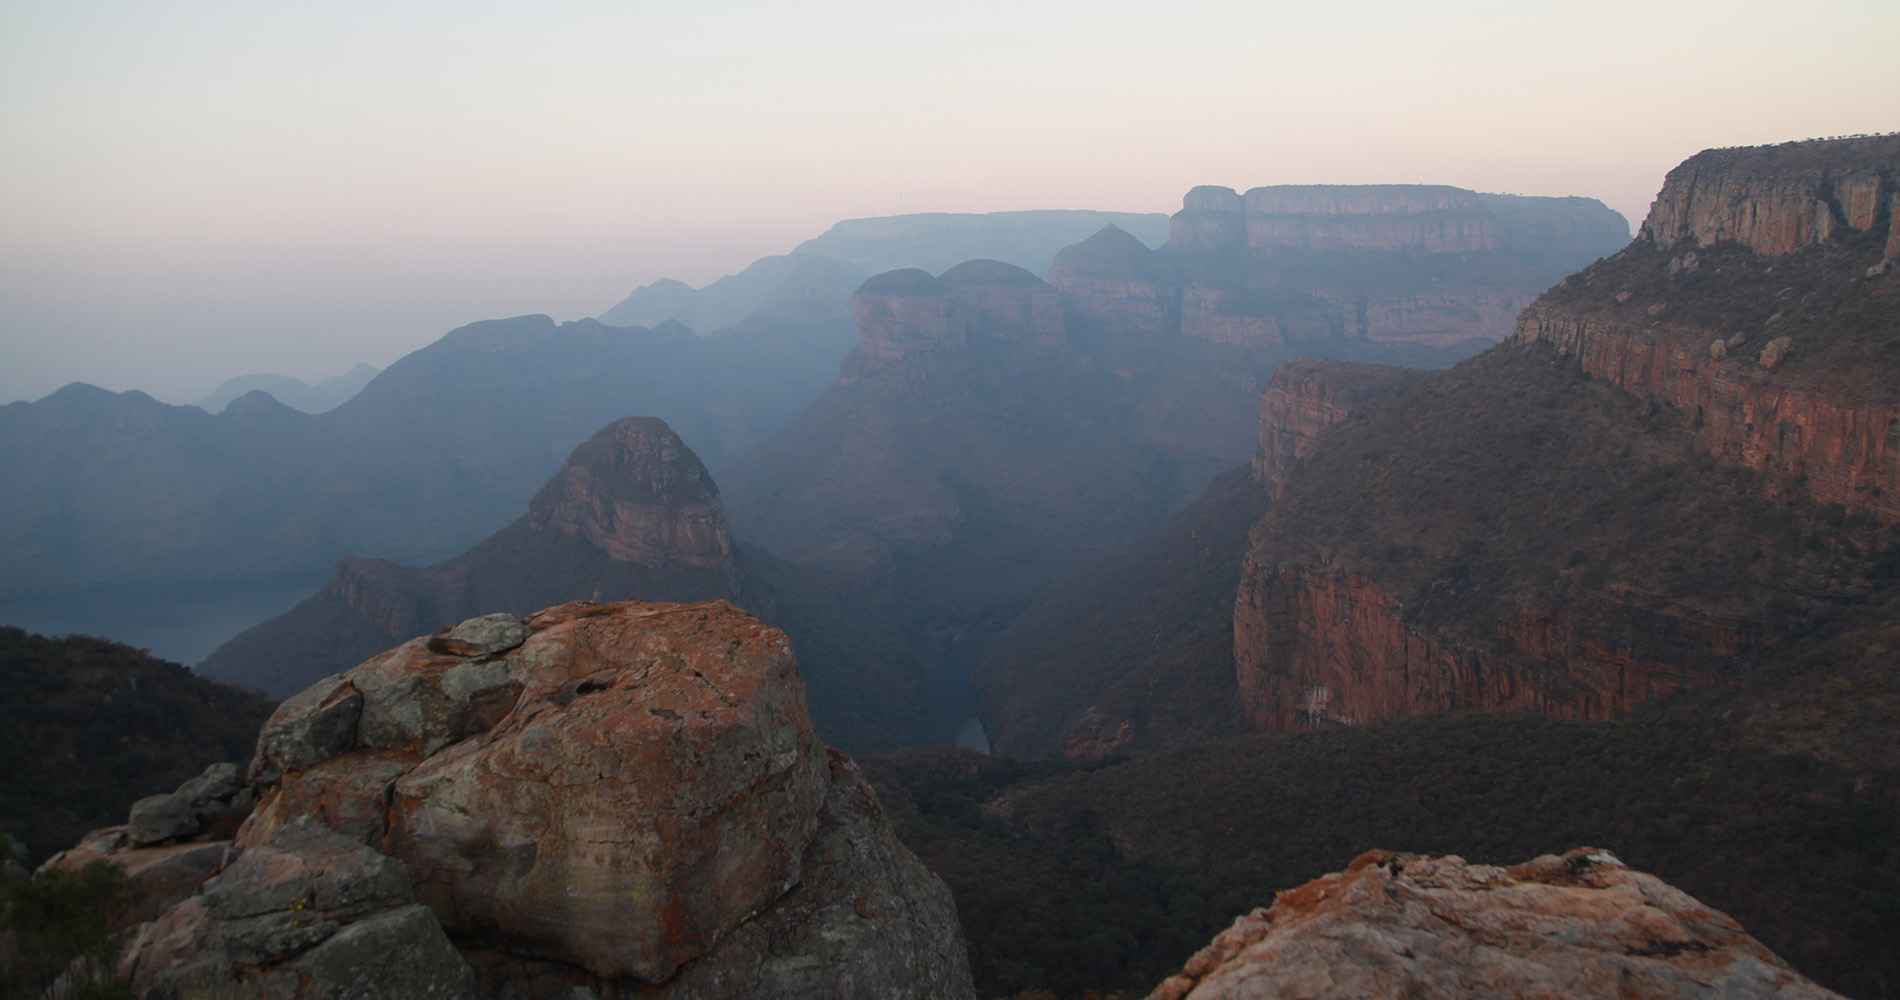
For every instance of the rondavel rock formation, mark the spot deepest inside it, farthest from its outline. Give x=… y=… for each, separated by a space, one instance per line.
x=607 y=800
x=1580 y=926
x=1684 y=457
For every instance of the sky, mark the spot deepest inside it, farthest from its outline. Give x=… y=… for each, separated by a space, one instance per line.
x=191 y=191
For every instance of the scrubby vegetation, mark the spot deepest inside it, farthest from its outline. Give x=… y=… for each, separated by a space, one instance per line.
x=89 y=726
x=57 y=937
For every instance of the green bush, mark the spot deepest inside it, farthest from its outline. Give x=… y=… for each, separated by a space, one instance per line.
x=59 y=932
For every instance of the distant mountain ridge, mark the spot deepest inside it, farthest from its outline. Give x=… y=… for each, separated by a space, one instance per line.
x=295 y=393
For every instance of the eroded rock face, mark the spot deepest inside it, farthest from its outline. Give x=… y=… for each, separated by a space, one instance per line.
x=1776 y=199
x=602 y=794
x=1806 y=435
x=1316 y=646
x=1579 y=926
x=640 y=495
x=1430 y=217
x=908 y=319
x=1307 y=396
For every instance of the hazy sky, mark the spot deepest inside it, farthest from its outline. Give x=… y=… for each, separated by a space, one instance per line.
x=195 y=190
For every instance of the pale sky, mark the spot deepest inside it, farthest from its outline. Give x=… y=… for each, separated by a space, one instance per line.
x=195 y=190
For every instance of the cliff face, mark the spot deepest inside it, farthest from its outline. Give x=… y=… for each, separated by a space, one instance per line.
x=1777 y=199
x=604 y=798
x=1518 y=534
x=1581 y=925
x=638 y=494
x=1369 y=272
x=1305 y=397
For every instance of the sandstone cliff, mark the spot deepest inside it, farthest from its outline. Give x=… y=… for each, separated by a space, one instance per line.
x=1675 y=467
x=1307 y=396
x=624 y=799
x=1752 y=305
x=1397 y=925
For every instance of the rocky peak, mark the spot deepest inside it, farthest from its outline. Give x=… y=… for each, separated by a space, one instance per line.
x=1305 y=397
x=1581 y=925
x=640 y=495
x=1776 y=199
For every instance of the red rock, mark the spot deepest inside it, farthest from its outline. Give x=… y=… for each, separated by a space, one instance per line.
x=1228 y=316
x=1307 y=396
x=1806 y=435
x=1316 y=645
x=1581 y=926
x=1775 y=199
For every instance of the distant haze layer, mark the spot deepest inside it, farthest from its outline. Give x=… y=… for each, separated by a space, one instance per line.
x=204 y=189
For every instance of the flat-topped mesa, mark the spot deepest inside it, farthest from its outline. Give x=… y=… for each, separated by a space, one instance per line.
x=640 y=495
x=908 y=314
x=1777 y=199
x=1430 y=217
x=1305 y=397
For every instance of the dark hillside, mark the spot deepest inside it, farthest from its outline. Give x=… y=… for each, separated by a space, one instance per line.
x=88 y=726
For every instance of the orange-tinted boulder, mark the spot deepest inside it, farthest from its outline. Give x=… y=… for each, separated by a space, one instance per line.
x=1580 y=926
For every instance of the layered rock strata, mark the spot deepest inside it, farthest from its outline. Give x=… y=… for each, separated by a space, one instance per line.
x=1581 y=925
x=1777 y=199
x=1305 y=397
x=620 y=798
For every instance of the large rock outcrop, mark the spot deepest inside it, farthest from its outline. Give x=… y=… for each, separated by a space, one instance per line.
x=619 y=798
x=1579 y=926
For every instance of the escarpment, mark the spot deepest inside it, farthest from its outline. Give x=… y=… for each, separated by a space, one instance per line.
x=608 y=798
x=1307 y=396
x=1680 y=462
x=1758 y=303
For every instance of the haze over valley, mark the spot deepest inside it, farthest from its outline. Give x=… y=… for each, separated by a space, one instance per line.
x=1049 y=503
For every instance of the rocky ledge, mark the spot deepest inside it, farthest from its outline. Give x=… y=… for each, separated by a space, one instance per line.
x=1580 y=926
x=601 y=800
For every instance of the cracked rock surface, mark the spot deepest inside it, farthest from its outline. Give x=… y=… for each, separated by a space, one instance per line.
x=1579 y=926
x=603 y=799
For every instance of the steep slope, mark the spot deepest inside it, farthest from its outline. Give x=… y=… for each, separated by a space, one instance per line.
x=766 y=284
x=1612 y=507
x=437 y=452
x=631 y=513
x=1135 y=650
x=973 y=452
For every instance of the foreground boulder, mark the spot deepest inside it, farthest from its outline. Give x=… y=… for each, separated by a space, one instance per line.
x=612 y=799
x=1398 y=925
